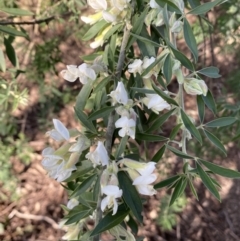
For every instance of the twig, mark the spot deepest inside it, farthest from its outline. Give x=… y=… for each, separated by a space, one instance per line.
x=33 y=217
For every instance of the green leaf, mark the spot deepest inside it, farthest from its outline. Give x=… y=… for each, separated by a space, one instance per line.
x=11 y=53
x=166 y=182
x=83 y=96
x=208 y=182
x=90 y=57
x=130 y=195
x=100 y=85
x=191 y=128
x=105 y=111
x=109 y=221
x=78 y=216
x=143 y=90
x=146 y=40
x=94 y=30
x=84 y=120
x=167 y=68
x=84 y=186
x=212 y=72
x=192 y=189
x=204 y=8
x=2 y=61
x=170 y=6
x=190 y=39
x=220 y=122
x=159 y=154
x=179 y=153
x=181 y=57
x=164 y=95
x=215 y=141
x=80 y=172
x=97 y=189
x=178 y=190
x=150 y=137
x=209 y=101
x=159 y=122
x=222 y=171
x=16 y=11
x=12 y=31
x=112 y=31
x=175 y=131
x=121 y=147
x=201 y=108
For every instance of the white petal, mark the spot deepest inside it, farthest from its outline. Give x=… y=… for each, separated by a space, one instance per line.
x=148 y=169
x=61 y=129
x=98 y=4
x=108 y=17
x=72 y=203
x=122 y=122
x=48 y=151
x=115 y=206
x=104 y=204
x=112 y=190
x=102 y=152
x=145 y=180
x=54 y=134
x=146 y=190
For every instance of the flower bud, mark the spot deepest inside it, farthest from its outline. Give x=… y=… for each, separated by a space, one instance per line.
x=195 y=86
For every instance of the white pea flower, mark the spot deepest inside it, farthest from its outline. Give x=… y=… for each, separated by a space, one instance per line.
x=60 y=132
x=73 y=231
x=120 y=94
x=91 y=19
x=71 y=73
x=99 y=156
x=108 y=17
x=195 y=86
x=156 y=103
x=153 y=4
x=112 y=192
x=86 y=73
x=82 y=144
x=135 y=67
x=120 y=4
x=72 y=203
x=127 y=127
x=98 y=5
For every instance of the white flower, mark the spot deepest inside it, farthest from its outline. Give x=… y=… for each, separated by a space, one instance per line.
x=60 y=132
x=127 y=125
x=91 y=19
x=73 y=231
x=153 y=4
x=135 y=67
x=108 y=17
x=112 y=192
x=120 y=4
x=99 y=156
x=98 y=4
x=86 y=73
x=72 y=203
x=146 y=63
x=71 y=73
x=156 y=103
x=195 y=86
x=82 y=144
x=120 y=94
x=142 y=184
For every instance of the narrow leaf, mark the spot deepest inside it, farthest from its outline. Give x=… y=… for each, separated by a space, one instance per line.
x=78 y=216
x=16 y=11
x=105 y=111
x=179 y=153
x=100 y=85
x=146 y=40
x=170 y=6
x=150 y=137
x=159 y=154
x=207 y=182
x=215 y=141
x=212 y=72
x=12 y=31
x=175 y=131
x=209 y=101
x=204 y=8
x=220 y=122
x=201 y=108
x=11 y=53
x=121 y=147
x=159 y=122
x=192 y=189
x=167 y=69
x=190 y=39
x=166 y=182
x=2 y=61
x=164 y=95
x=109 y=221
x=190 y=126
x=143 y=90
x=178 y=190
x=84 y=186
x=222 y=171
x=84 y=120
x=130 y=195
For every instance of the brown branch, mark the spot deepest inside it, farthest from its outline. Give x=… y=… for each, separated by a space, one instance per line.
x=36 y=21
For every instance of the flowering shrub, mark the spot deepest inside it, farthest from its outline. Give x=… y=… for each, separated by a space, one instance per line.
x=102 y=166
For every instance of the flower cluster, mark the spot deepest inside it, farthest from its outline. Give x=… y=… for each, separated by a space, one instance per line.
x=60 y=163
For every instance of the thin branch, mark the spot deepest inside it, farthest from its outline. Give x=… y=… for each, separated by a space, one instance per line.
x=32 y=22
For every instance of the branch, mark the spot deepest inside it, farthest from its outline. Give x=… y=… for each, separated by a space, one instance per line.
x=32 y=22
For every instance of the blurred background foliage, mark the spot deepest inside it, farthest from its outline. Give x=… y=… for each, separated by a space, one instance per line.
x=31 y=56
